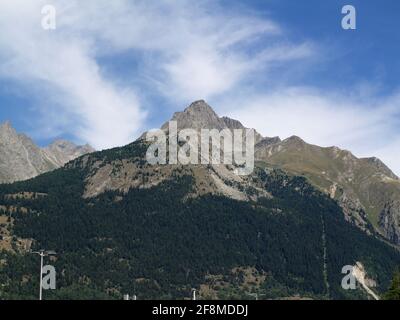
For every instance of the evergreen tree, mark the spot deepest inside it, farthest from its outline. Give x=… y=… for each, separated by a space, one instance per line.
x=394 y=290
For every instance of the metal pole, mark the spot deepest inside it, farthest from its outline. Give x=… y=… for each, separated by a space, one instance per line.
x=41 y=275
x=194 y=294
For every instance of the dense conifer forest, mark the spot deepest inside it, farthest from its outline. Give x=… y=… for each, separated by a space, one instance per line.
x=158 y=243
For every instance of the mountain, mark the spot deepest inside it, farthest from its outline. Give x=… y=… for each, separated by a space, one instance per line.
x=121 y=225
x=366 y=189
x=61 y=151
x=22 y=159
x=199 y=115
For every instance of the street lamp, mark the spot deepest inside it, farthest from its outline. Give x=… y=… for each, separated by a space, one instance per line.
x=42 y=253
x=194 y=298
x=255 y=295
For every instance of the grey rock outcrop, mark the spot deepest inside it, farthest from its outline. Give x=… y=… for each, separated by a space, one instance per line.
x=61 y=151
x=22 y=159
x=199 y=115
x=389 y=221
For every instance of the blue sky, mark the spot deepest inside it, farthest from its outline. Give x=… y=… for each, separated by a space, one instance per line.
x=111 y=70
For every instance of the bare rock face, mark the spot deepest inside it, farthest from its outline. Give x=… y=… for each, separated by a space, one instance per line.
x=265 y=142
x=22 y=159
x=389 y=221
x=354 y=211
x=61 y=151
x=199 y=115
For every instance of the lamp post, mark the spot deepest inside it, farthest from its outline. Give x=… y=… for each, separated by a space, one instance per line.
x=42 y=253
x=255 y=295
x=194 y=298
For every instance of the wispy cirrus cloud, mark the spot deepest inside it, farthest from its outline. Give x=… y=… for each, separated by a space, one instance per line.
x=63 y=66
x=187 y=50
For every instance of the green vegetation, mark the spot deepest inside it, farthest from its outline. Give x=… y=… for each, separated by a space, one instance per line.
x=394 y=290
x=159 y=243
x=366 y=180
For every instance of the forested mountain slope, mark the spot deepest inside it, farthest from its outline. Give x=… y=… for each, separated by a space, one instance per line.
x=159 y=240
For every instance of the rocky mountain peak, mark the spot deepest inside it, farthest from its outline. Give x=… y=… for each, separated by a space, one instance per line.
x=294 y=141
x=63 y=151
x=232 y=123
x=200 y=115
x=7 y=130
x=6 y=124
x=380 y=166
x=62 y=144
x=68 y=146
x=268 y=141
x=21 y=158
x=201 y=107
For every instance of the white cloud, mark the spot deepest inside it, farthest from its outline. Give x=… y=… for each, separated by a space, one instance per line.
x=191 y=50
x=199 y=51
x=206 y=72
x=63 y=64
